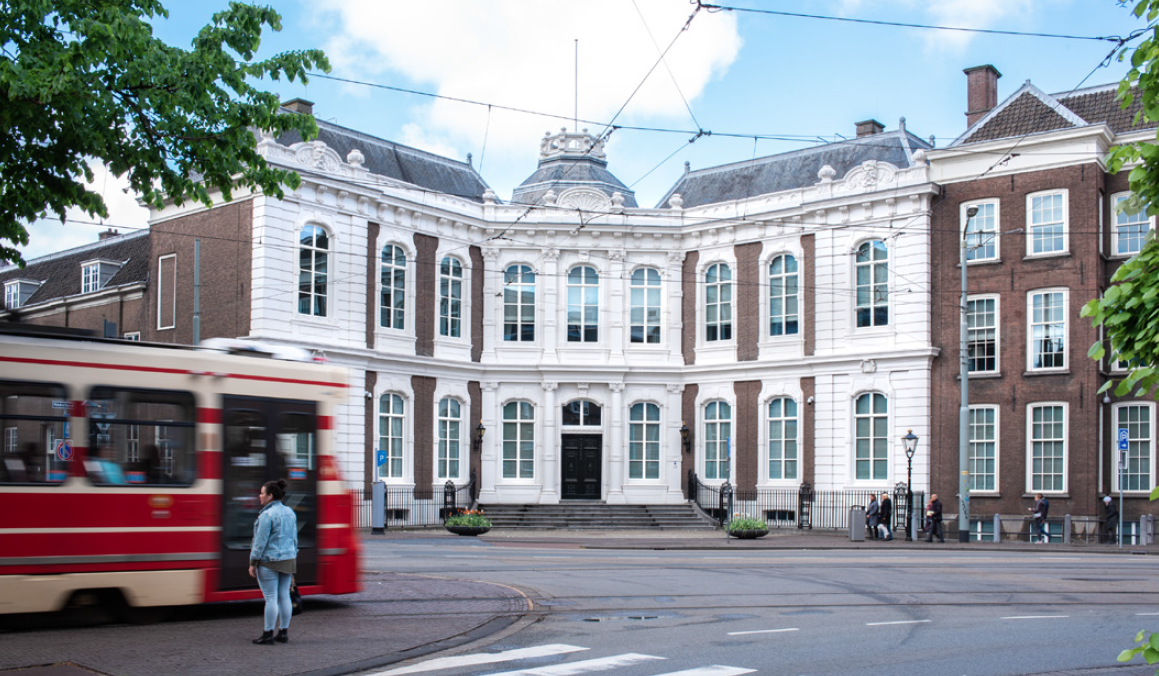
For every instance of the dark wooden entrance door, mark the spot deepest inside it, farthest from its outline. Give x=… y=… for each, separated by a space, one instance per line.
x=581 y=466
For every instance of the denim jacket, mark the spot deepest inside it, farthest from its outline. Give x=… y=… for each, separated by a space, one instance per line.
x=275 y=534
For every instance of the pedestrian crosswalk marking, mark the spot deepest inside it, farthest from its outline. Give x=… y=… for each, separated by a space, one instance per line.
x=762 y=631
x=583 y=666
x=482 y=658
x=714 y=670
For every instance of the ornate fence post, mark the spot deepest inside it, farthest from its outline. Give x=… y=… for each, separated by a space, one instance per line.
x=805 y=506
x=725 y=503
x=448 y=499
x=900 y=507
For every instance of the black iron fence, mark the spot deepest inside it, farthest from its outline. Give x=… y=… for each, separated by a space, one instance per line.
x=418 y=506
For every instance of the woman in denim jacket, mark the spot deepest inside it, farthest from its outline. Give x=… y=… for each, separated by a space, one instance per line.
x=273 y=559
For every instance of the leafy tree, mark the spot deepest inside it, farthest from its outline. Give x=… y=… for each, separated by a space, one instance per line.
x=85 y=79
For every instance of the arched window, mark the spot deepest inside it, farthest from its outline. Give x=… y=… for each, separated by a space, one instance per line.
x=518 y=440
x=581 y=412
x=872 y=284
x=645 y=320
x=644 y=441
x=782 y=422
x=717 y=432
x=393 y=288
x=450 y=434
x=871 y=422
x=583 y=305
x=718 y=302
x=783 y=296
x=450 y=298
x=391 y=419
x=519 y=304
x=313 y=250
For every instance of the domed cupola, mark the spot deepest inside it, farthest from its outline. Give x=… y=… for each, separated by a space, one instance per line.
x=573 y=173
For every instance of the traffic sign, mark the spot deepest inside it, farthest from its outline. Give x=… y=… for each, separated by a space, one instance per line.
x=380 y=458
x=1124 y=439
x=64 y=450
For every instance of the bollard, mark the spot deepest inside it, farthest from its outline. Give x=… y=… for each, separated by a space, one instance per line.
x=857 y=523
x=378 y=508
x=1066 y=522
x=1146 y=529
x=997 y=528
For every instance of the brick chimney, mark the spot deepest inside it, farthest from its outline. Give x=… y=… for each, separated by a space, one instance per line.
x=107 y=234
x=869 y=128
x=299 y=106
x=981 y=92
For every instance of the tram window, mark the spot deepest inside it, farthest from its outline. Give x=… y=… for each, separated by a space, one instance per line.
x=34 y=419
x=141 y=437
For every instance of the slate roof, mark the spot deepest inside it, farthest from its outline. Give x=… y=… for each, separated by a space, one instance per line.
x=566 y=173
x=60 y=273
x=1032 y=111
x=403 y=163
x=788 y=171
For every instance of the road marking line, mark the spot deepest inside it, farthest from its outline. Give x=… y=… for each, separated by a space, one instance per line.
x=1145 y=614
x=482 y=658
x=760 y=631
x=714 y=670
x=1033 y=617
x=882 y=624
x=583 y=666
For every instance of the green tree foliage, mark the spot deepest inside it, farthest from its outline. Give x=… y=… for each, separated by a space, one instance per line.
x=86 y=79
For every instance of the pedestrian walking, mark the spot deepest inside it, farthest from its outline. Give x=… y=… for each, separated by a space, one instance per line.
x=1112 y=523
x=872 y=517
x=886 y=510
x=273 y=560
x=1041 y=509
x=934 y=515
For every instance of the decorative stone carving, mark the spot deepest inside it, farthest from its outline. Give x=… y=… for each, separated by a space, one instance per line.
x=488 y=196
x=551 y=254
x=586 y=199
x=675 y=388
x=355 y=158
x=550 y=387
x=676 y=201
x=549 y=198
x=868 y=366
x=827 y=174
x=919 y=157
x=317 y=155
x=566 y=144
x=617 y=200
x=616 y=387
x=871 y=174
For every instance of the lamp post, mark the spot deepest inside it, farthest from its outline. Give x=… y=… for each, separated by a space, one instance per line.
x=964 y=409
x=911 y=445
x=479 y=431
x=684 y=436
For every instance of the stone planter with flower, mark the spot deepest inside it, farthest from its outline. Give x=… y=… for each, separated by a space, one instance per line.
x=747 y=528
x=469 y=522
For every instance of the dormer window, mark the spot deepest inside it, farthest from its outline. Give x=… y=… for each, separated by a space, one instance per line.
x=18 y=291
x=94 y=275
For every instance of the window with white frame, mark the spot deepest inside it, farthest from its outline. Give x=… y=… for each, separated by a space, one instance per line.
x=717 y=435
x=583 y=305
x=90 y=277
x=645 y=312
x=783 y=289
x=391 y=421
x=166 y=292
x=12 y=295
x=782 y=426
x=718 y=302
x=11 y=440
x=581 y=412
x=1047 y=334
x=1046 y=223
x=518 y=440
x=1130 y=228
x=392 y=288
x=644 y=441
x=982 y=448
x=519 y=304
x=450 y=436
x=982 y=334
x=132 y=335
x=313 y=270
x=872 y=270
x=1137 y=420
x=871 y=442
x=981 y=231
x=450 y=298
x=1047 y=439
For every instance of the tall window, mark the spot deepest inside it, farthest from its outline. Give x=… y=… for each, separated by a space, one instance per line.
x=783 y=296
x=450 y=298
x=872 y=284
x=519 y=304
x=11 y=295
x=982 y=451
x=392 y=307
x=871 y=417
x=645 y=320
x=782 y=423
x=1130 y=229
x=644 y=441
x=717 y=433
x=718 y=302
x=1136 y=419
x=390 y=425
x=313 y=252
x=1047 y=334
x=981 y=231
x=1047 y=447
x=90 y=277
x=518 y=440
x=1046 y=216
x=581 y=412
x=450 y=434
x=583 y=305
x=982 y=334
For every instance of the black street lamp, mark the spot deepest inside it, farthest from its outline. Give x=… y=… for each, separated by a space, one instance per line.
x=911 y=445
x=479 y=431
x=684 y=436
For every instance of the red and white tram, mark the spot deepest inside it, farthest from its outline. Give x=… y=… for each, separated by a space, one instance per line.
x=130 y=472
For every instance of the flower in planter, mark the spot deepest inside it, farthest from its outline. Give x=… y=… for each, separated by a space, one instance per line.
x=470 y=517
x=739 y=522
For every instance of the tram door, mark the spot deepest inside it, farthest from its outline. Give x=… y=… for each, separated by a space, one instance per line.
x=265 y=440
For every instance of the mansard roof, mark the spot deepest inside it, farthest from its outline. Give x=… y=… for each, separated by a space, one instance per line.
x=788 y=171
x=571 y=161
x=1032 y=111
x=59 y=273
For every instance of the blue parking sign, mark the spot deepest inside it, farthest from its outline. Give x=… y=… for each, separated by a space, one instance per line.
x=380 y=458
x=1124 y=439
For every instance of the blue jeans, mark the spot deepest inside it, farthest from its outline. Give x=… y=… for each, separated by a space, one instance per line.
x=275 y=588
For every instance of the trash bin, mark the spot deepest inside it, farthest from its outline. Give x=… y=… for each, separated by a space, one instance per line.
x=857 y=523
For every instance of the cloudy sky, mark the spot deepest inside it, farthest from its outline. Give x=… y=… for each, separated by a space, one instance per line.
x=761 y=83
